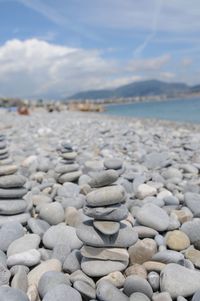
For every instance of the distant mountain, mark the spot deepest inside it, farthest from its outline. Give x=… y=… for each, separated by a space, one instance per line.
x=141 y=88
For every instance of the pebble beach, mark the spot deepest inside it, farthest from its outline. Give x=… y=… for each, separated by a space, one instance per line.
x=94 y=207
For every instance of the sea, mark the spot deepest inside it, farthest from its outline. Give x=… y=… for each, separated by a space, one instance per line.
x=182 y=110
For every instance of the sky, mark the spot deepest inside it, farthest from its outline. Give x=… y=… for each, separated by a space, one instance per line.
x=54 y=48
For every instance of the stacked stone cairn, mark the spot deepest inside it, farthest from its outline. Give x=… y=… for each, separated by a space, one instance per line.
x=12 y=190
x=104 y=235
x=67 y=170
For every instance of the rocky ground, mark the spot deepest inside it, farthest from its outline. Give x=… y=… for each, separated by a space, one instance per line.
x=98 y=208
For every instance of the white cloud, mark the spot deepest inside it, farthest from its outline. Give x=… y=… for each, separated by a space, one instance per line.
x=151 y=64
x=186 y=61
x=167 y=75
x=35 y=68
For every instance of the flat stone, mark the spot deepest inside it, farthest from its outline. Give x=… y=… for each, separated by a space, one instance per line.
x=168 y=256
x=49 y=265
x=69 y=155
x=113 y=163
x=9 y=232
x=123 y=239
x=8 y=170
x=105 y=253
x=192 y=201
x=38 y=226
x=69 y=177
x=145 y=190
x=24 y=243
x=142 y=250
x=21 y=218
x=12 y=181
x=179 y=281
x=61 y=168
x=104 y=196
x=177 y=240
x=76 y=201
x=41 y=199
x=103 y=178
x=97 y=268
x=154 y=217
x=134 y=284
x=106 y=291
x=111 y=213
x=85 y=289
x=52 y=213
x=12 y=193
x=106 y=227
x=61 y=234
x=62 y=292
x=50 y=280
x=191 y=229
x=12 y=294
x=12 y=206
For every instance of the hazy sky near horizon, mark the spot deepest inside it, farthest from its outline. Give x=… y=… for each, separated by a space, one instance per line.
x=54 y=48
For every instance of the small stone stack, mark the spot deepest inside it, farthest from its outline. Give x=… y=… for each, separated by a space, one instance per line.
x=4 y=153
x=67 y=170
x=105 y=237
x=12 y=190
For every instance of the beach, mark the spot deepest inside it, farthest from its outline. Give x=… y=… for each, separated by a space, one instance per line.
x=98 y=207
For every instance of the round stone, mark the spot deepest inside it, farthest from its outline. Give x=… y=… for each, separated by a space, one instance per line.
x=142 y=250
x=145 y=190
x=50 y=280
x=177 y=240
x=138 y=297
x=25 y=243
x=179 y=281
x=52 y=213
x=106 y=291
x=152 y=216
x=113 y=163
x=62 y=292
x=116 y=278
x=28 y=258
x=61 y=234
x=135 y=284
x=10 y=232
x=49 y=265
x=85 y=289
x=69 y=177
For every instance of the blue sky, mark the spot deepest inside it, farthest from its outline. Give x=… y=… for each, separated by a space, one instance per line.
x=54 y=48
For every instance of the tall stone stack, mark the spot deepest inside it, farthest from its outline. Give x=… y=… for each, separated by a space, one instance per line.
x=104 y=236
x=12 y=190
x=67 y=170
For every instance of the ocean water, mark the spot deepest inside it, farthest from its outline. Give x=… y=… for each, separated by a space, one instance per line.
x=183 y=110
